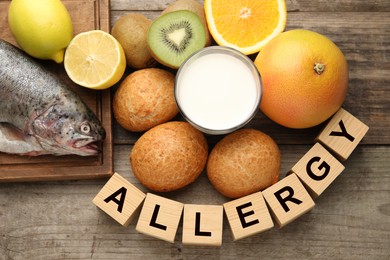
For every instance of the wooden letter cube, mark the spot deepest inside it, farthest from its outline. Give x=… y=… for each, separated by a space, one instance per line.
x=317 y=169
x=120 y=199
x=160 y=217
x=202 y=225
x=248 y=215
x=288 y=199
x=342 y=134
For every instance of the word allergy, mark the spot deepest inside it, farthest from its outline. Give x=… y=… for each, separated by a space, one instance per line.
x=280 y=203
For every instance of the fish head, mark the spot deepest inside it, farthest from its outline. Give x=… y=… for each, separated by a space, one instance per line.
x=82 y=137
x=69 y=129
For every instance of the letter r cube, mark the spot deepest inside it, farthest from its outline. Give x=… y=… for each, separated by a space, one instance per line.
x=288 y=199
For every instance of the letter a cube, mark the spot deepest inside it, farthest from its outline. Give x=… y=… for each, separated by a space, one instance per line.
x=288 y=199
x=342 y=134
x=120 y=199
x=248 y=215
x=317 y=169
x=160 y=217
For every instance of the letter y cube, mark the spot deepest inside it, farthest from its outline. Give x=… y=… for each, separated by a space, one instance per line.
x=343 y=133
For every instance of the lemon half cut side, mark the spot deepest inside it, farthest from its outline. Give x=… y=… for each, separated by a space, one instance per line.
x=95 y=59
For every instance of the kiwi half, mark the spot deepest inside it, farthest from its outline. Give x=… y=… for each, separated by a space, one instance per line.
x=174 y=36
x=193 y=6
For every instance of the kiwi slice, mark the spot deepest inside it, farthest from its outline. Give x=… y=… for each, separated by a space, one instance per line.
x=174 y=36
x=193 y=6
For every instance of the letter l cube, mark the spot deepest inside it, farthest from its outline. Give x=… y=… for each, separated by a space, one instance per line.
x=160 y=217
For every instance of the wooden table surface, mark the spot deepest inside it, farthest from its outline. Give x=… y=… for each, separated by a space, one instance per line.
x=351 y=219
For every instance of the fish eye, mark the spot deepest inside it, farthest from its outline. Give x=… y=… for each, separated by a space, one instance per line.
x=85 y=128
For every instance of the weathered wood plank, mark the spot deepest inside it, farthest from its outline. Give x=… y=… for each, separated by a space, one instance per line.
x=86 y=15
x=292 y=5
x=366 y=45
x=57 y=220
x=367 y=49
x=351 y=220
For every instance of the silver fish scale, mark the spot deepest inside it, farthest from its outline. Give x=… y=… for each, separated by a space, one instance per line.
x=25 y=87
x=39 y=114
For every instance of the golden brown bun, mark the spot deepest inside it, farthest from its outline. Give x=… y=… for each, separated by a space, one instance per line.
x=169 y=156
x=244 y=162
x=145 y=99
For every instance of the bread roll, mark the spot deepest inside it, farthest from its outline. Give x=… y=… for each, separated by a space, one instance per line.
x=243 y=162
x=145 y=99
x=169 y=156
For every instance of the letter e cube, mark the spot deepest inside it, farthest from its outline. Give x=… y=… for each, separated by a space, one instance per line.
x=248 y=215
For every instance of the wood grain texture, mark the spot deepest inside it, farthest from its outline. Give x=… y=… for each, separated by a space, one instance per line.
x=351 y=219
x=364 y=38
x=86 y=15
x=292 y=5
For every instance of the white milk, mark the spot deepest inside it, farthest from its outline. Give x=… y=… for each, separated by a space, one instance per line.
x=218 y=92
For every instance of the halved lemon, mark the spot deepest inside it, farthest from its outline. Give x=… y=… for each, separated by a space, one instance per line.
x=95 y=59
x=246 y=25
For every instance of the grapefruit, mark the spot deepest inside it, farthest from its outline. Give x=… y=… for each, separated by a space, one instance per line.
x=304 y=76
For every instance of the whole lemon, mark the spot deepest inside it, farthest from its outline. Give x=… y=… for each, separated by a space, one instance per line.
x=304 y=76
x=42 y=28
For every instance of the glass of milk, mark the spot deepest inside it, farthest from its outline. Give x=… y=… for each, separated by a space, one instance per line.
x=218 y=90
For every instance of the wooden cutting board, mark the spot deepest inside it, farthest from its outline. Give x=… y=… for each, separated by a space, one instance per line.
x=86 y=15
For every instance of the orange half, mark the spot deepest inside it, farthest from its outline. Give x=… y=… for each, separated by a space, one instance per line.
x=246 y=25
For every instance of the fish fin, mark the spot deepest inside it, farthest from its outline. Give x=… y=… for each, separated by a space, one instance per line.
x=14 y=141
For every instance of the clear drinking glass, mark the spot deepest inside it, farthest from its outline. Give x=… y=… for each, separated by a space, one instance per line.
x=218 y=90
